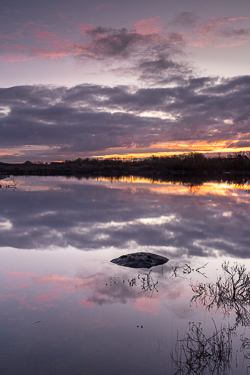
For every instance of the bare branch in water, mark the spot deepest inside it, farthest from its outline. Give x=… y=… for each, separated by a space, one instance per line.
x=199 y=354
x=231 y=292
x=179 y=271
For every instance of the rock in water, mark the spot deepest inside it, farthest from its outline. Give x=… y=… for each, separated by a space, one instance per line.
x=140 y=260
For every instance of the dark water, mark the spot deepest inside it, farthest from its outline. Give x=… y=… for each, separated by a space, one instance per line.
x=65 y=309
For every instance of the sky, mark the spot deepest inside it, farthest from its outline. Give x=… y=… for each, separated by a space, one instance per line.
x=96 y=79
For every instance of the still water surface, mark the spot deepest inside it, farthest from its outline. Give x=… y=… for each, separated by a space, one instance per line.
x=66 y=309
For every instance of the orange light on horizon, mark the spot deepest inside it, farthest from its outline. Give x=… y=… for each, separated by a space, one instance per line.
x=166 y=187
x=177 y=148
x=169 y=153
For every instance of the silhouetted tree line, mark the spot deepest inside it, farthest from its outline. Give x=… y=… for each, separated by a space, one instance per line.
x=154 y=167
x=191 y=162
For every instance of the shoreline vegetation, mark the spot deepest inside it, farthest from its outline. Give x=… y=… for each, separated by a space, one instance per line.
x=234 y=167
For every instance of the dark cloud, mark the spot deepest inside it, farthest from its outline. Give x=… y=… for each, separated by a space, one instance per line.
x=107 y=42
x=186 y=19
x=147 y=55
x=156 y=66
x=97 y=31
x=113 y=292
x=235 y=84
x=229 y=33
x=240 y=144
x=156 y=69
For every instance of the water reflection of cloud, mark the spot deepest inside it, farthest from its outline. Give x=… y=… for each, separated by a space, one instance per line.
x=143 y=291
x=106 y=294
x=91 y=216
x=146 y=305
x=33 y=291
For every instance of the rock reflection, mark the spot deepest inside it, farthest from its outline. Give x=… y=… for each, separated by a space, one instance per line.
x=200 y=354
x=231 y=292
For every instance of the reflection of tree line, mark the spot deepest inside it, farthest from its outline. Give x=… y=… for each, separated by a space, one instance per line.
x=200 y=354
x=191 y=168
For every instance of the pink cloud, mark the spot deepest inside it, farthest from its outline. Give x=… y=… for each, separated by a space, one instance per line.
x=56 y=51
x=217 y=30
x=45 y=35
x=233 y=44
x=19 y=47
x=150 y=26
x=14 y=277
x=45 y=297
x=83 y=27
x=85 y=303
x=4 y=36
x=50 y=54
x=21 y=300
x=63 y=16
x=28 y=306
x=102 y=6
x=103 y=42
x=16 y=58
x=14 y=47
x=27 y=24
x=4 y=297
x=229 y=19
x=29 y=28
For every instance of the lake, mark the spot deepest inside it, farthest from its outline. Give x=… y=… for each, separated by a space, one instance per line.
x=66 y=309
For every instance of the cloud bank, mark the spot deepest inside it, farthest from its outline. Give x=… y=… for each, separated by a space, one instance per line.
x=87 y=119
